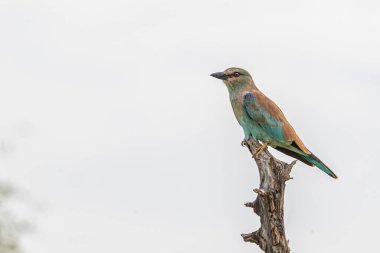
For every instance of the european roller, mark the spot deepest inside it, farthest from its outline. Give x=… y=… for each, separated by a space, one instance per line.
x=262 y=119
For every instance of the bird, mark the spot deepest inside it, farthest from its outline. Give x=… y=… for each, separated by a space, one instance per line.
x=262 y=120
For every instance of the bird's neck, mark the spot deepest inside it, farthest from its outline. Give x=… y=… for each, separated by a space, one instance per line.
x=241 y=87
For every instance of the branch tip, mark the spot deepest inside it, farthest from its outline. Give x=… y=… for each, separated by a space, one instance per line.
x=250 y=204
x=261 y=192
x=251 y=237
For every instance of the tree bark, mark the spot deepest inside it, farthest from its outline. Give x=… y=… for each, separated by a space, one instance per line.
x=269 y=204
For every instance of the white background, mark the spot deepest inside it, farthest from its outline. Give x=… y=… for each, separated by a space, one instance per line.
x=109 y=118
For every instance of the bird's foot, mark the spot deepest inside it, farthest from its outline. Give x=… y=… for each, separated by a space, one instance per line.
x=260 y=149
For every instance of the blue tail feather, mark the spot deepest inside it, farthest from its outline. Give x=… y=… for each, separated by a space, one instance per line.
x=315 y=160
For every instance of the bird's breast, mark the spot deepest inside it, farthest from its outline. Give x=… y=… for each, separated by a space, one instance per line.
x=238 y=108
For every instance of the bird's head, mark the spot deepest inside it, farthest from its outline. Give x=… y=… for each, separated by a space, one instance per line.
x=234 y=78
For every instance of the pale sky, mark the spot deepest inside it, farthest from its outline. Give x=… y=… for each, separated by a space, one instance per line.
x=110 y=120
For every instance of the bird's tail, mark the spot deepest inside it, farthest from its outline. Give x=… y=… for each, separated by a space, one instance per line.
x=315 y=160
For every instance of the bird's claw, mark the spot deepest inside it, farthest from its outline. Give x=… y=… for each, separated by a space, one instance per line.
x=260 y=149
x=244 y=143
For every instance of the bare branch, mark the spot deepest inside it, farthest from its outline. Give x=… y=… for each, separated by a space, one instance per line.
x=269 y=204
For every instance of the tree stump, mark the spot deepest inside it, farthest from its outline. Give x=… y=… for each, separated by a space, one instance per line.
x=269 y=204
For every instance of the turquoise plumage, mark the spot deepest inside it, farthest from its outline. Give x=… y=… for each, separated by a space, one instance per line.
x=262 y=119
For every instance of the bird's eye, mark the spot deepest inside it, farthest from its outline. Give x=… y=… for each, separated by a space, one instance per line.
x=236 y=74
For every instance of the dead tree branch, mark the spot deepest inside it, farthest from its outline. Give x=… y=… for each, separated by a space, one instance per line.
x=269 y=204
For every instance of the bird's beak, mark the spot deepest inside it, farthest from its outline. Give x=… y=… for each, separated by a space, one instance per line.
x=219 y=75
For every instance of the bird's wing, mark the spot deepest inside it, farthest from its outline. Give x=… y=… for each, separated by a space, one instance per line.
x=270 y=117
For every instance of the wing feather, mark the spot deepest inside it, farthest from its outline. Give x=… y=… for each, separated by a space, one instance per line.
x=266 y=113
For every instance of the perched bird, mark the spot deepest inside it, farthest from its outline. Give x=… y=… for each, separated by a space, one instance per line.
x=262 y=119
